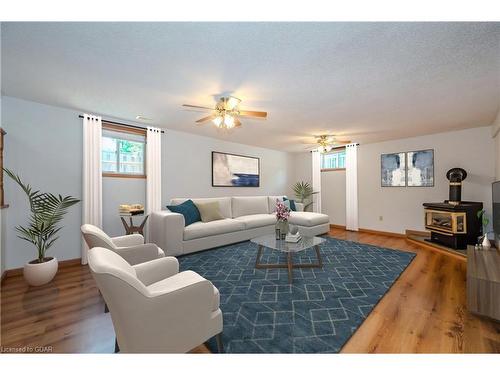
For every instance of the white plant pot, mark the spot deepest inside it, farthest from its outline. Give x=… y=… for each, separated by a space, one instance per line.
x=486 y=242
x=37 y=274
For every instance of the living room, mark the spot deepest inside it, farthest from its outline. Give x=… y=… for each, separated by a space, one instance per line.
x=335 y=191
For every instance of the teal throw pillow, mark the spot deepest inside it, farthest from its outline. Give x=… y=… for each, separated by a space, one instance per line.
x=187 y=209
x=290 y=203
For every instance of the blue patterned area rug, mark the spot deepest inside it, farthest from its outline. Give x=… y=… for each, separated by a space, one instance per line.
x=317 y=313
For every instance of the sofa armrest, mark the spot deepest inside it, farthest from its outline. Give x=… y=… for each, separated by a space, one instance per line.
x=128 y=240
x=166 y=229
x=156 y=270
x=138 y=254
x=299 y=206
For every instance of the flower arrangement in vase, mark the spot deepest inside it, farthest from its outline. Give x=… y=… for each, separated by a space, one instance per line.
x=282 y=215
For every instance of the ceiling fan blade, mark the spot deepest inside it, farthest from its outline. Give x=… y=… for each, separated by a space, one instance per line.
x=205 y=119
x=253 y=114
x=310 y=148
x=341 y=142
x=196 y=106
x=237 y=123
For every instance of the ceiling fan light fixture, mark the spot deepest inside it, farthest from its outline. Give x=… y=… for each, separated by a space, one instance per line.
x=232 y=103
x=229 y=121
x=217 y=121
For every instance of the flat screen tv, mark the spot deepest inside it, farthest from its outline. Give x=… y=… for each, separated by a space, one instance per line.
x=496 y=212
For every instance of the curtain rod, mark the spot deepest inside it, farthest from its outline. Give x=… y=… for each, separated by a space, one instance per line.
x=339 y=147
x=121 y=124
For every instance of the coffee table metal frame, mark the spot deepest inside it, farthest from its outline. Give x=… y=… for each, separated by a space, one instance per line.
x=289 y=263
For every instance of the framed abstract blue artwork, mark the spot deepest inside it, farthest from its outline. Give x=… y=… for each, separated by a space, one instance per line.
x=420 y=169
x=393 y=169
x=231 y=170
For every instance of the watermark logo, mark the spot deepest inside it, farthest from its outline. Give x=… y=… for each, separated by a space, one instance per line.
x=26 y=349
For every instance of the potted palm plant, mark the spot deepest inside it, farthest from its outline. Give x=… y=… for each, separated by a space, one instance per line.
x=303 y=192
x=46 y=211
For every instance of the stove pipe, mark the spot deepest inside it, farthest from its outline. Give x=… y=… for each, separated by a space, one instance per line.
x=456 y=176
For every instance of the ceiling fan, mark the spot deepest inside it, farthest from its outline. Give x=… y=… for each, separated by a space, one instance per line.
x=326 y=143
x=226 y=112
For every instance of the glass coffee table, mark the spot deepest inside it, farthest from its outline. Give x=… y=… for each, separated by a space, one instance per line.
x=289 y=248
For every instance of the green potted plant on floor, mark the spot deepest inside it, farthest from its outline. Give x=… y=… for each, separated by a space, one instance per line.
x=303 y=192
x=46 y=212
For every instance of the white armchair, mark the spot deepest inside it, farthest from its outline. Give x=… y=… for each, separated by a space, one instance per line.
x=154 y=308
x=131 y=247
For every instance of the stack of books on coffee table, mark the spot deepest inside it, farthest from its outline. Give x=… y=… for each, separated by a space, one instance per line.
x=293 y=237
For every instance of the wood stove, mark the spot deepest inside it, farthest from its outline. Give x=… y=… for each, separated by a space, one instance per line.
x=454 y=223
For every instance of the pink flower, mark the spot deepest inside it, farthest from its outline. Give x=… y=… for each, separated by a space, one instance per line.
x=282 y=211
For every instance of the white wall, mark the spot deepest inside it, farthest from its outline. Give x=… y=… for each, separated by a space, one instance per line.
x=116 y=191
x=44 y=146
x=2 y=236
x=302 y=163
x=401 y=208
x=495 y=132
x=187 y=167
x=333 y=196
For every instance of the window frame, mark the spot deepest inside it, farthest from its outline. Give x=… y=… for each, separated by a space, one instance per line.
x=124 y=129
x=2 y=192
x=335 y=150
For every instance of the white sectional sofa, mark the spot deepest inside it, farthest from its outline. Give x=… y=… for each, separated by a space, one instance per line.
x=244 y=218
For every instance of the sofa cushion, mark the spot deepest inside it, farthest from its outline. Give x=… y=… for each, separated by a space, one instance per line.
x=257 y=220
x=308 y=219
x=212 y=228
x=272 y=202
x=187 y=209
x=224 y=204
x=209 y=211
x=243 y=206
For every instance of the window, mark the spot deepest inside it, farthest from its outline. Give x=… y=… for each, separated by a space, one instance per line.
x=333 y=160
x=123 y=152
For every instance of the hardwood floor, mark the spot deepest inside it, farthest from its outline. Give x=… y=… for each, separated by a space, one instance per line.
x=423 y=312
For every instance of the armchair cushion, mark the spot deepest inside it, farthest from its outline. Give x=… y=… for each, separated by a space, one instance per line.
x=128 y=240
x=139 y=253
x=176 y=282
x=157 y=269
x=180 y=281
x=95 y=237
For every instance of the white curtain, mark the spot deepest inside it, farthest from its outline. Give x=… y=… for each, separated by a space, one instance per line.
x=351 y=185
x=92 y=175
x=316 y=180
x=153 y=170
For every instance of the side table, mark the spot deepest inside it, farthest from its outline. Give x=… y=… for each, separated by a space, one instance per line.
x=131 y=228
